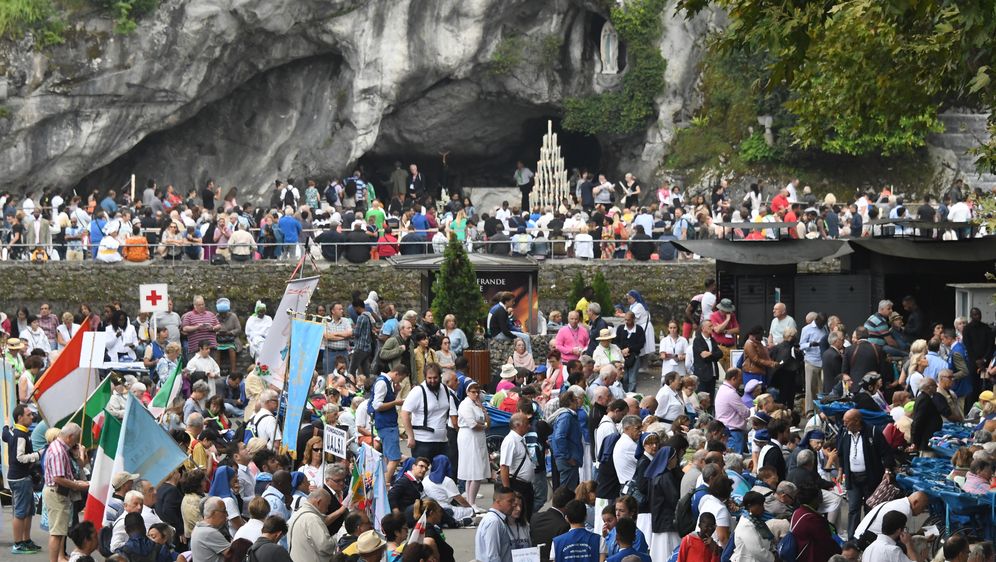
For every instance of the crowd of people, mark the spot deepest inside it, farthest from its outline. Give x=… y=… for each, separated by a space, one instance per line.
x=351 y=219
x=727 y=456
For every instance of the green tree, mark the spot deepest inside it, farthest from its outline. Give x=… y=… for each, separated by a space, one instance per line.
x=577 y=291
x=456 y=289
x=603 y=294
x=868 y=76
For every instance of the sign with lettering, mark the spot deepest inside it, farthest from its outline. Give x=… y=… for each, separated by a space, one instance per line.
x=335 y=441
x=526 y=554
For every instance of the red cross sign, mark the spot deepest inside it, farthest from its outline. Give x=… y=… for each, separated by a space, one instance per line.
x=153 y=297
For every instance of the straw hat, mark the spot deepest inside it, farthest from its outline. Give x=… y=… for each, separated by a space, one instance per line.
x=15 y=344
x=369 y=542
x=508 y=371
x=605 y=334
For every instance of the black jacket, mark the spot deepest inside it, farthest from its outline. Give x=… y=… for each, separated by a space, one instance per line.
x=861 y=359
x=775 y=460
x=595 y=329
x=878 y=454
x=328 y=241
x=265 y=550
x=926 y=419
x=806 y=477
x=633 y=342
x=833 y=360
x=404 y=493
x=544 y=527
x=665 y=490
x=705 y=368
x=641 y=246
x=643 y=483
x=359 y=249
x=413 y=244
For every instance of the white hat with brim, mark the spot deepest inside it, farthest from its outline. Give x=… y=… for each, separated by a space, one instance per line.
x=508 y=371
x=605 y=334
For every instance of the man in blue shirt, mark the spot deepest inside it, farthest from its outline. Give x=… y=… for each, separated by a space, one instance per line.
x=568 y=450
x=578 y=544
x=934 y=362
x=108 y=204
x=291 y=228
x=626 y=509
x=625 y=533
x=809 y=342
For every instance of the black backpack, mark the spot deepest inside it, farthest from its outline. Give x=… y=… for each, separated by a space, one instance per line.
x=104 y=540
x=685 y=513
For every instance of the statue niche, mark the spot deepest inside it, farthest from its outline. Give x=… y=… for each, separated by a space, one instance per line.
x=609 y=49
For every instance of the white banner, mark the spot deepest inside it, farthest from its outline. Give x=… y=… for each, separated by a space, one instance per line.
x=335 y=441
x=153 y=297
x=296 y=297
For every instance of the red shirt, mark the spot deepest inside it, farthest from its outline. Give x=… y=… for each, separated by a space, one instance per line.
x=694 y=550
x=779 y=202
x=722 y=339
x=790 y=217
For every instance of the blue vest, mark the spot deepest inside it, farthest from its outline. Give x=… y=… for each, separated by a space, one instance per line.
x=577 y=545
x=157 y=352
x=18 y=470
x=387 y=418
x=962 y=387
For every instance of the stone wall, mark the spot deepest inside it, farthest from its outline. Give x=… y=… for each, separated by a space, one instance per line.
x=667 y=287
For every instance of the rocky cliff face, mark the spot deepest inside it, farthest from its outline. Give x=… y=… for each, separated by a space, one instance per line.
x=246 y=91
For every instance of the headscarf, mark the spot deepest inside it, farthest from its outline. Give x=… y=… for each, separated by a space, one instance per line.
x=811 y=434
x=372 y=297
x=440 y=469
x=221 y=485
x=297 y=477
x=658 y=466
x=260 y=306
x=223 y=305
x=637 y=297
x=639 y=444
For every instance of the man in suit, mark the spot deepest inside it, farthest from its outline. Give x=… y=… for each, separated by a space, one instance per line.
x=778 y=432
x=864 y=456
x=551 y=523
x=833 y=360
x=706 y=357
x=862 y=357
x=37 y=231
x=596 y=325
x=927 y=414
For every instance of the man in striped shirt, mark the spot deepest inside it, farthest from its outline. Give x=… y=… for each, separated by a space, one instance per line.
x=60 y=482
x=338 y=332
x=200 y=325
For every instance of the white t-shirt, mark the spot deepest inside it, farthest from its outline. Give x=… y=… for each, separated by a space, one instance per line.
x=515 y=456
x=362 y=417
x=605 y=428
x=441 y=405
x=708 y=303
x=266 y=427
x=915 y=380
x=873 y=520
x=778 y=328
x=669 y=406
x=711 y=504
x=624 y=458
x=250 y=531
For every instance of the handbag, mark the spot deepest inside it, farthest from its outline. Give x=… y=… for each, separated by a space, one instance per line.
x=885 y=491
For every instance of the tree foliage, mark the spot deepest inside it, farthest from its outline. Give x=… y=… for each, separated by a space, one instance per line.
x=456 y=289
x=603 y=294
x=868 y=76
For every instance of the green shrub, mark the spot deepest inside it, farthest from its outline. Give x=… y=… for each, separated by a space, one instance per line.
x=603 y=294
x=457 y=291
x=17 y=16
x=629 y=109
x=507 y=55
x=755 y=149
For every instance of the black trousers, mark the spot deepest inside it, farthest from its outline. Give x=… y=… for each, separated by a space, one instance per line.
x=526 y=490
x=430 y=449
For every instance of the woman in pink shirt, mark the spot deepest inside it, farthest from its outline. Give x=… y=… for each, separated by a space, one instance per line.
x=980 y=474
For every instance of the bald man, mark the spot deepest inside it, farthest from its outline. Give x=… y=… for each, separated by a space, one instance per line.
x=864 y=455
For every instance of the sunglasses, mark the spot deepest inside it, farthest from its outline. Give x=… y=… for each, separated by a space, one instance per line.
x=316 y=449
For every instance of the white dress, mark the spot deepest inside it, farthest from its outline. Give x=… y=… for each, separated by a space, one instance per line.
x=473 y=463
x=643 y=319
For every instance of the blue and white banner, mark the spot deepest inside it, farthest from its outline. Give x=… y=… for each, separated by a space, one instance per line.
x=305 y=342
x=144 y=447
x=8 y=400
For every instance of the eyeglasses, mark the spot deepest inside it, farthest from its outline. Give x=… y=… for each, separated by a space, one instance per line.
x=316 y=449
x=339 y=480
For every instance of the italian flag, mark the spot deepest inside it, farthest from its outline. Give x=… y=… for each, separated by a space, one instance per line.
x=64 y=387
x=168 y=392
x=91 y=415
x=106 y=464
